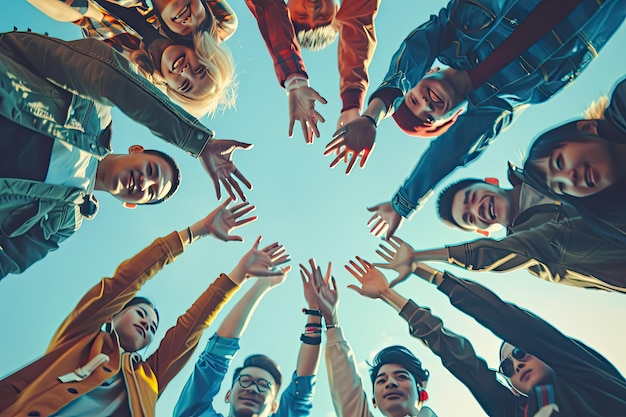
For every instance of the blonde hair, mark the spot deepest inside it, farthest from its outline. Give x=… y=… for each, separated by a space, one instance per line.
x=220 y=69
x=596 y=108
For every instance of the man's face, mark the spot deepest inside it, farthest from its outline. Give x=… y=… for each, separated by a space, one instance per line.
x=526 y=371
x=138 y=177
x=257 y=398
x=481 y=205
x=136 y=326
x=580 y=169
x=184 y=73
x=312 y=13
x=395 y=391
x=181 y=16
x=434 y=99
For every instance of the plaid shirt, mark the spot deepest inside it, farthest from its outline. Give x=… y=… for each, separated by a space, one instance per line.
x=277 y=30
x=110 y=28
x=357 y=41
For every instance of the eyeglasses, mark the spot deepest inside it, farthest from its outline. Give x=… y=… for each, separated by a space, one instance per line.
x=506 y=366
x=263 y=385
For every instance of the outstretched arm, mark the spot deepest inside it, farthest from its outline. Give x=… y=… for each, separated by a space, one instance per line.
x=180 y=341
x=456 y=352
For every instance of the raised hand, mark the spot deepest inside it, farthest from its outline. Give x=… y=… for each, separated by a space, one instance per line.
x=221 y=221
x=319 y=291
x=385 y=220
x=399 y=256
x=217 y=160
x=354 y=140
x=262 y=262
x=373 y=282
x=302 y=108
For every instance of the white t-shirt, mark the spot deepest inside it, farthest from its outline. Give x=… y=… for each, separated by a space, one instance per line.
x=71 y=166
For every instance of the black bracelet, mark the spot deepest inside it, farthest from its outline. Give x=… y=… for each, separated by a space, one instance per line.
x=371 y=119
x=317 y=313
x=318 y=325
x=308 y=340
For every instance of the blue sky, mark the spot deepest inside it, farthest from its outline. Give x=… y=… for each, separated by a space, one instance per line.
x=314 y=212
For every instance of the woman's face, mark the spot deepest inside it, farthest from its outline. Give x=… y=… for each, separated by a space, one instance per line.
x=580 y=169
x=181 y=16
x=184 y=73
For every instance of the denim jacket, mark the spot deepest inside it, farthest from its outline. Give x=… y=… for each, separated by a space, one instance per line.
x=65 y=90
x=196 y=399
x=461 y=36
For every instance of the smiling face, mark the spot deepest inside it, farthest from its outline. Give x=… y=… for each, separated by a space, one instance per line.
x=481 y=205
x=580 y=169
x=434 y=99
x=136 y=326
x=137 y=178
x=184 y=73
x=181 y=16
x=312 y=13
x=395 y=391
x=252 y=400
x=526 y=371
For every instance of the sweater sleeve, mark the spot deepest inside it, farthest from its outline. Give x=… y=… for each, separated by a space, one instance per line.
x=346 y=386
x=181 y=340
x=458 y=356
x=110 y=295
x=357 y=41
x=569 y=358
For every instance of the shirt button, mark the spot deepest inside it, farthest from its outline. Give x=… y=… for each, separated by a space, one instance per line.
x=34 y=414
x=200 y=135
x=72 y=390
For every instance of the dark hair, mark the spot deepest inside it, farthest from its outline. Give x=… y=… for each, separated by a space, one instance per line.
x=263 y=362
x=176 y=175
x=136 y=300
x=605 y=211
x=446 y=197
x=399 y=355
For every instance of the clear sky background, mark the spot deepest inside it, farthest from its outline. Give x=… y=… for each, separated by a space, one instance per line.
x=314 y=212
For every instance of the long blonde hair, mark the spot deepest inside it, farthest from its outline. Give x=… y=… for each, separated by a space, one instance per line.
x=220 y=69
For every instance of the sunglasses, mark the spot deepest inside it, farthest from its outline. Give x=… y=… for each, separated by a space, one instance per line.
x=506 y=366
x=263 y=385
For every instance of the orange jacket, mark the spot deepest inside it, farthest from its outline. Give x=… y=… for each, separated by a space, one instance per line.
x=36 y=389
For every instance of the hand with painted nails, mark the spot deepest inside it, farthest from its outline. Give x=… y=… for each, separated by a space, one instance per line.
x=373 y=282
x=302 y=108
x=354 y=140
x=399 y=256
x=312 y=280
x=217 y=160
x=385 y=220
x=261 y=262
x=223 y=220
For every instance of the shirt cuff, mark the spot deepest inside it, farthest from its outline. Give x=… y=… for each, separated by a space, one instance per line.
x=387 y=95
x=402 y=206
x=222 y=346
x=352 y=98
x=301 y=387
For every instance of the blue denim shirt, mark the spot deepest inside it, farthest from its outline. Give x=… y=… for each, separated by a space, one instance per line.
x=196 y=399
x=461 y=36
